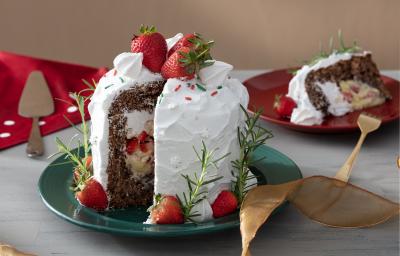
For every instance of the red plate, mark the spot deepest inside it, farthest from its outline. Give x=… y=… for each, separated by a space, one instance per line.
x=263 y=88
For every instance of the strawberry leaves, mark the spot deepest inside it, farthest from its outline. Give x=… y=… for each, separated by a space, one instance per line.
x=147 y=30
x=198 y=57
x=186 y=61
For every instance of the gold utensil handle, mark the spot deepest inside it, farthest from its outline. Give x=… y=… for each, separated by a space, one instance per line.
x=367 y=123
x=35 y=142
x=344 y=173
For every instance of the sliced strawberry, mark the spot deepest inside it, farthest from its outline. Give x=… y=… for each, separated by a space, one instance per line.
x=142 y=136
x=131 y=145
x=347 y=96
x=167 y=210
x=144 y=147
x=186 y=41
x=93 y=195
x=284 y=106
x=153 y=46
x=225 y=204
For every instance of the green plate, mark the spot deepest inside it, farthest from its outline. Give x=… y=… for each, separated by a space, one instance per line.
x=54 y=189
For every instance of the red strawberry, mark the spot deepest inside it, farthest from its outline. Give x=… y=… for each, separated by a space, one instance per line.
x=146 y=146
x=168 y=210
x=185 y=62
x=131 y=145
x=284 y=105
x=142 y=136
x=153 y=46
x=88 y=162
x=174 y=67
x=225 y=204
x=186 y=41
x=78 y=172
x=93 y=195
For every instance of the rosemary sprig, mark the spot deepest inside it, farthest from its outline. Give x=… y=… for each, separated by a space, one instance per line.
x=196 y=193
x=354 y=48
x=250 y=138
x=71 y=155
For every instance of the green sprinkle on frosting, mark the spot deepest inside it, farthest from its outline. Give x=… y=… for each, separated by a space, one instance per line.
x=122 y=80
x=219 y=87
x=201 y=87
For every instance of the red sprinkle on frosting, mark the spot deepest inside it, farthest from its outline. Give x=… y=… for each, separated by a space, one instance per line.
x=177 y=88
x=192 y=87
x=115 y=72
x=214 y=93
x=188 y=98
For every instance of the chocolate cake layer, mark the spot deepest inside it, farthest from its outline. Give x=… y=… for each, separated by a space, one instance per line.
x=124 y=189
x=359 y=68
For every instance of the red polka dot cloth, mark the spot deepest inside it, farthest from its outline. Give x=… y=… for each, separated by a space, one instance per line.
x=62 y=78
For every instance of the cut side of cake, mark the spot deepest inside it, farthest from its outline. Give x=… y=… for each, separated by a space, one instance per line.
x=122 y=113
x=337 y=84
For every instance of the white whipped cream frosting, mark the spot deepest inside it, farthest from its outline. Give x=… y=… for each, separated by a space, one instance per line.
x=305 y=113
x=179 y=125
x=173 y=40
x=128 y=72
x=187 y=115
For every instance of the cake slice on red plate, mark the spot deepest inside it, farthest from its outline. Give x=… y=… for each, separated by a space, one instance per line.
x=336 y=83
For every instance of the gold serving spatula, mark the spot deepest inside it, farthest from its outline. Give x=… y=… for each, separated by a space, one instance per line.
x=367 y=123
x=36 y=101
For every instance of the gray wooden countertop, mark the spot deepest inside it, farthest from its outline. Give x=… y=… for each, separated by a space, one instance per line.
x=26 y=223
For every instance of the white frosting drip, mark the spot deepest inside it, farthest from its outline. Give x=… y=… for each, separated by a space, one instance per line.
x=173 y=40
x=129 y=64
x=204 y=210
x=215 y=74
x=181 y=124
x=305 y=112
x=128 y=72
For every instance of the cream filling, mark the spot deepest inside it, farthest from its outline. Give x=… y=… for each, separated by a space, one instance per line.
x=338 y=106
x=361 y=95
